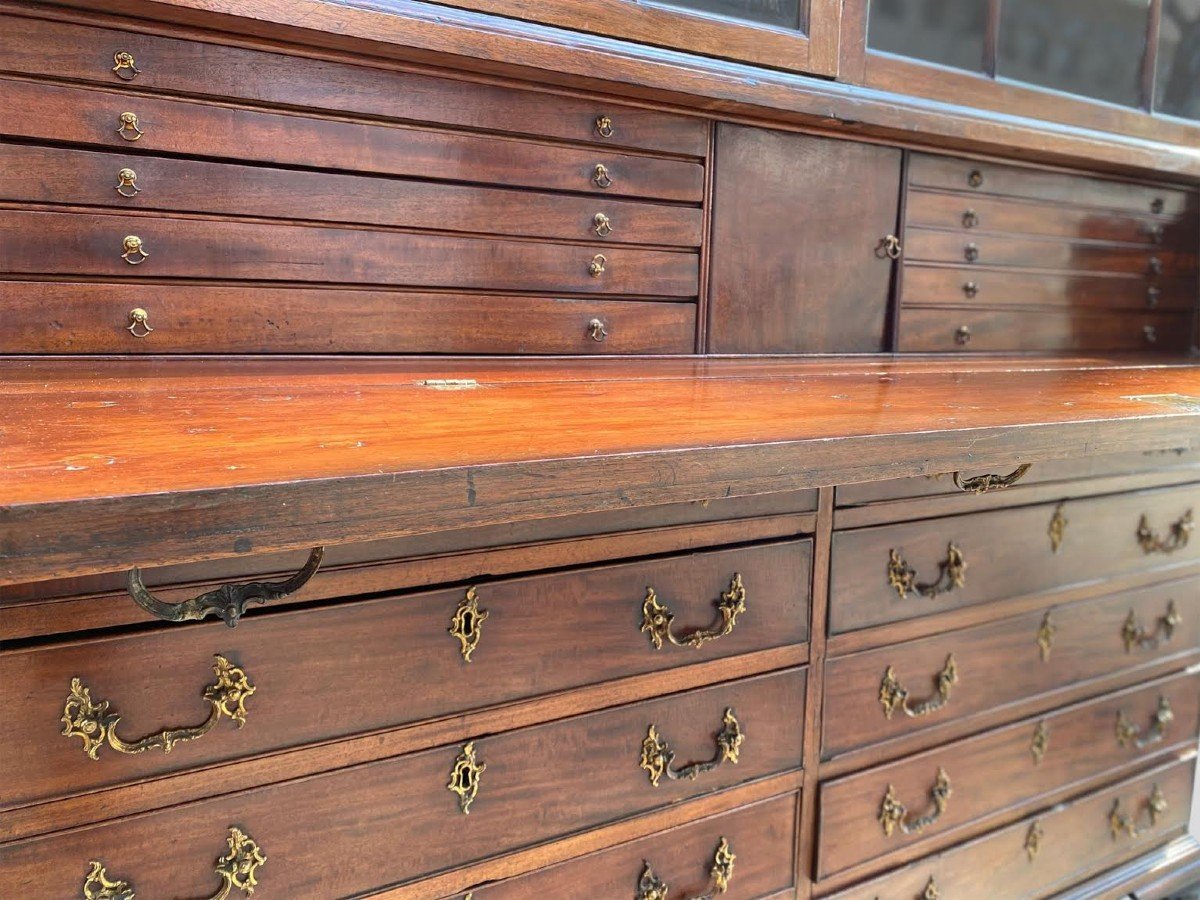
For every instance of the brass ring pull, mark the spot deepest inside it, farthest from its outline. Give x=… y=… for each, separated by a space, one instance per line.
x=657 y=755
x=124 y=66
x=971 y=253
x=1179 y=533
x=1139 y=637
x=128 y=126
x=651 y=887
x=238 y=869
x=467 y=623
x=657 y=618
x=93 y=723
x=970 y=219
x=133 y=251
x=596 y=266
x=970 y=289
x=888 y=247
x=893 y=814
x=604 y=126
x=139 y=318
x=952 y=574
x=982 y=484
x=894 y=696
x=600 y=176
x=464 y=777
x=1130 y=735
x=1123 y=823
x=596 y=331
x=602 y=225
x=229 y=601
x=127 y=183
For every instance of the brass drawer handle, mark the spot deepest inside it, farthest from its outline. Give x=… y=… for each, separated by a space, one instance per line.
x=889 y=247
x=1057 y=529
x=93 y=723
x=1040 y=743
x=1124 y=823
x=975 y=178
x=127 y=183
x=1139 y=637
x=971 y=253
x=651 y=887
x=931 y=891
x=1130 y=735
x=1153 y=293
x=229 y=601
x=1179 y=533
x=602 y=225
x=970 y=219
x=604 y=126
x=1045 y=636
x=657 y=618
x=464 y=777
x=1150 y=334
x=124 y=67
x=1033 y=840
x=467 y=623
x=894 y=696
x=600 y=176
x=893 y=814
x=238 y=869
x=962 y=335
x=139 y=318
x=657 y=755
x=981 y=484
x=1154 y=266
x=596 y=331
x=1156 y=233
x=952 y=573
x=970 y=289
x=128 y=127
x=597 y=265
x=133 y=251
x=1157 y=205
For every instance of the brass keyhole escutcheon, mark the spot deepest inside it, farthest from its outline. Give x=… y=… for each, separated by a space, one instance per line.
x=970 y=219
x=600 y=176
x=139 y=323
x=464 y=777
x=132 y=250
x=124 y=66
x=128 y=126
x=602 y=225
x=604 y=126
x=888 y=247
x=467 y=624
x=127 y=183
x=596 y=331
x=596 y=266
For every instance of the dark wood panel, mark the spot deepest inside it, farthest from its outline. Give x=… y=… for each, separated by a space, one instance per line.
x=794 y=262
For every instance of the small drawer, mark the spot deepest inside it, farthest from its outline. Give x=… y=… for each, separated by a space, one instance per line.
x=32 y=46
x=136 y=123
x=1044 y=853
x=139 y=182
x=686 y=862
x=875 y=813
x=322 y=674
x=882 y=694
x=77 y=317
x=905 y=570
x=975 y=177
x=144 y=247
x=352 y=831
x=933 y=330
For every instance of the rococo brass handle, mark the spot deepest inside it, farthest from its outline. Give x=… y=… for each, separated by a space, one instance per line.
x=893 y=814
x=1130 y=735
x=596 y=331
x=229 y=601
x=124 y=67
x=602 y=225
x=600 y=176
x=1123 y=823
x=889 y=247
x=91 y=721
x=127 y=183
x=132 y=250
x=1178 y=535
x=971 y=252
x=981 y=484
x=238 y=869
x=604 y=126
x=970 y=219
x=1138 y=636
x=657 y=618
x=139 y=318
x=931 y=891
x=597 y=265
x=893 y=695
x=128 y=127
x=657 y=755
x=651 y=887
x=952 y=573
x=1033 y=839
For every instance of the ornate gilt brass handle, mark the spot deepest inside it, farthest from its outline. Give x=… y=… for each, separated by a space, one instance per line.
x=1139 y=637
x=651 y=887
x=93 y=723
x=229 y=601
x=127 y=183
x=238 y=868
x=124 y=67
x=888 y=247
x=657 y=755
x=600 y=176
x=1178 y=535
x=602 y=225
x=952 y=573
x=596 y=331
x=597 y=265
x=981 y=484
x=894 y=815
x=128 y=127
x=1130 y=735
x=604 y=126
x=139 y=319
x=657 y=618
x=133 y=251
x=1127 y=823
x=894 y=696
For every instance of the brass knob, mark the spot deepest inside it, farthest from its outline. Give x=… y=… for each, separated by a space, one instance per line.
x=602 y=225
x=1150 y=333
x=139 y=318
x=600 y=177
x=962 y=336
x=970 y=289
x=1155 y=266
x=124 y=67
x=596 y=331
x=128 y=127
x=1157 y=205
x=970 y=219
x=1153 y=293
x=127 y=183
x=971 y=252
x=596 y=266
x=975 y=179
x=604 y=126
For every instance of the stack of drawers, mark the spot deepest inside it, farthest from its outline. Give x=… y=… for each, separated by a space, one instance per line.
x=176 y=196
x=1001 y=258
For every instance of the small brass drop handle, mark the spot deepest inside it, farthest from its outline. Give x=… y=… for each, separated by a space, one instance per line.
x=888 y=247
x=982 y=484
x=970 y=289
x=604 y=126
x=651 y=887
x=971 y=252
x=1127 y=823
x=127 y=183
x=1157 y=205
x=952 y=574
x=893 y=695
x=596 y=331
x=1033 y=840
x=237 y=867
x=1179 y=533
x=1137 y=636
x=1155 y=232
x=658 y=757
x=894 y=815
x=1130 y=735
x=602 y=225
x=597 y=265
x=1155 y=266
x=139 y=319
x=970 y=219
x=600 y=176
x=133 y=251
x=975 y=178
x=229 y=601
x=93 y=722
x=124 y=67
x=128 y=127
x=931 y=891
x=1150 y=333
x=657 y=618
x=1153 y=293
x=962 y=335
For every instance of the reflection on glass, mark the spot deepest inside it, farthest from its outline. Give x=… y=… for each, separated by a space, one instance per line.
x=1091 y=48
x=949 y=32
x=1177 y=88
x=784 y=13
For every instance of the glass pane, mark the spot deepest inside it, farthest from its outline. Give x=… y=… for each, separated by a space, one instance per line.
x=949 y=32
x=1091 y=48
x=784 y=13
x=1177 y=89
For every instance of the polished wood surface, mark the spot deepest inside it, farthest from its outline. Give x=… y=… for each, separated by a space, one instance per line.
x=1050 y=292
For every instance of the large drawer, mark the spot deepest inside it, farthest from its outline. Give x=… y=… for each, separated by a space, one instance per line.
x=1055 y=848
x=31 y=46
x=318 y=675
x=1004 y=662
x=351 y=831
x=1002 y=769
x=94 y=117
x=905 y=570
x=87 y=244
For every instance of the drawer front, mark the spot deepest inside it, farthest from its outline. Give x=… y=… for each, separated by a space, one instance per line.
x=975 y=177
x=339 y=834
x=1001 y=769
x=1005 y=662
x=30 y=46
x=1052 y=849
x=56 y=317
x=82 y=244
x=323 y=674
x=140 y=182
x=902 y=571
x=199 y=129
x=761 y=837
